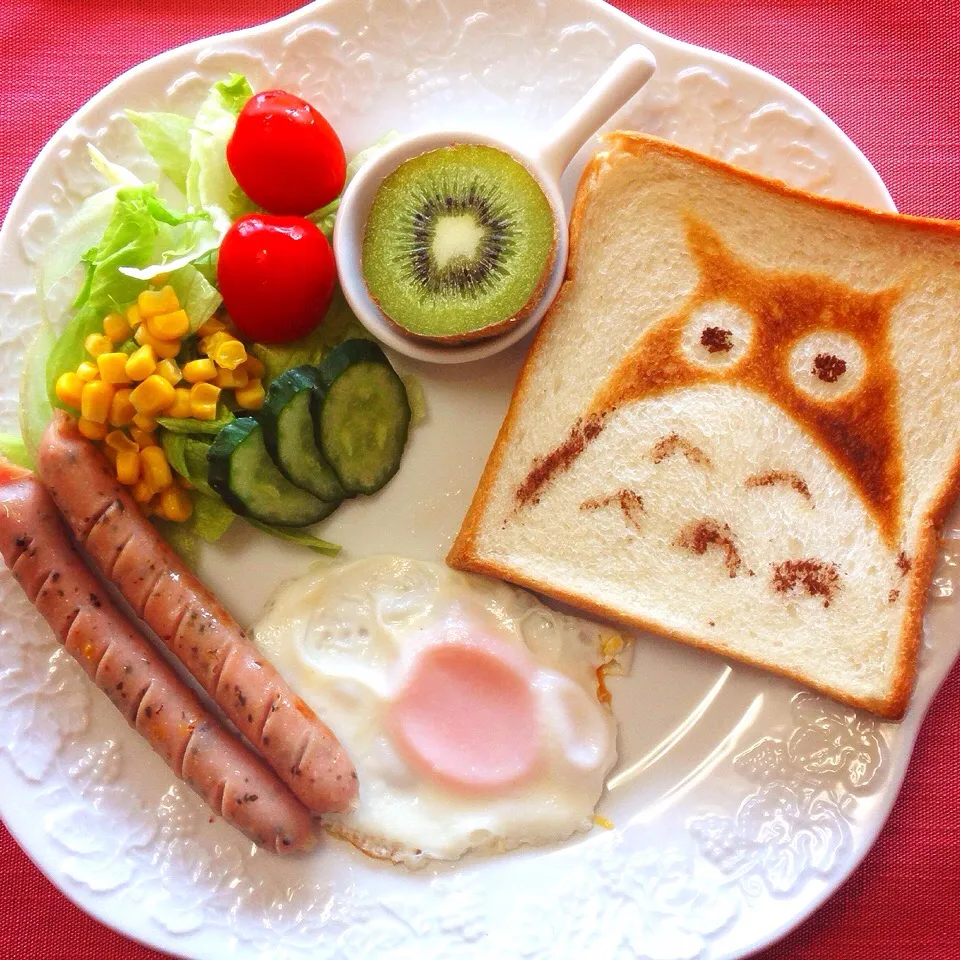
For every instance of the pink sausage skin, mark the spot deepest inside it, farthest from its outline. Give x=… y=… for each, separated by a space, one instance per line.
x=165 y=594
x=152 y=698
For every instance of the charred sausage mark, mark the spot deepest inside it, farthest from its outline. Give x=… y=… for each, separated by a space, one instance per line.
x=785 y=477
x=631 y=505
x=545 y=468
x=816 y=578
x=698 y=536
x=673 y=444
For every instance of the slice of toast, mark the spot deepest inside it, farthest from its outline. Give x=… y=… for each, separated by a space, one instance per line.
x=739 y=424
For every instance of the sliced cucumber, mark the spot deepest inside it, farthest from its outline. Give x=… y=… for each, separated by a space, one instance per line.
x=364 y=417
x=288 y=429
x=242 y=472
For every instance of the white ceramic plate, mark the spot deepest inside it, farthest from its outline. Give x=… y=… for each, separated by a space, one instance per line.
x=740 y=802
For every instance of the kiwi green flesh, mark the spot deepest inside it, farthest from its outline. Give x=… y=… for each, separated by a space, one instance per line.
x=458 y=241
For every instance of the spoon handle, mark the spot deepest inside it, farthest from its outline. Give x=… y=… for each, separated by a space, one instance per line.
x=618 y=83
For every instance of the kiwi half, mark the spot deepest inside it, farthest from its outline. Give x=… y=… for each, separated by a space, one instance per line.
x=459 y=243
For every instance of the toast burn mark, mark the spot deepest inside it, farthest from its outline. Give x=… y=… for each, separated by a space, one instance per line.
x=858 y=432
x=631 y=505
x=545 y=468
x=788 y=478
x=816 y=578
x=673 y=444
x=699 y=535
x=716 y=340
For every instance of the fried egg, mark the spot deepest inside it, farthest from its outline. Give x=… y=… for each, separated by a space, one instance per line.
x=474 y=713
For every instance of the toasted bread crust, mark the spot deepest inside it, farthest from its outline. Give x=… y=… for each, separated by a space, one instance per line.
x=463 y=554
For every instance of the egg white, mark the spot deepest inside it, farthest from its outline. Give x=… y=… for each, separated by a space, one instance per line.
x=341 y=636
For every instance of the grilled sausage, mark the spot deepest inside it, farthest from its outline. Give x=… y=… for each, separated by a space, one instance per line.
x=152 y=698
x=162 y=591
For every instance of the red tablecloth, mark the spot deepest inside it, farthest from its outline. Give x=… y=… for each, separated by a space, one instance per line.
x=886 y=70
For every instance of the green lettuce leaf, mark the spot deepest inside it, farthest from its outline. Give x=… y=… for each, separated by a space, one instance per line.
x=35 y=409
x=211 y=517
x=166 y=137
x=188 y=456
x=189 y=425
x=197 y=297
x=210 y=184
x=289 y=535
x=12 y=448
x=181 y=537
x=338 y=324
x=127 y=241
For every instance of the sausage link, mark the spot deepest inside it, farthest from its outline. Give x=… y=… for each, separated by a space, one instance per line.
x=165 y=594
x=152 y=698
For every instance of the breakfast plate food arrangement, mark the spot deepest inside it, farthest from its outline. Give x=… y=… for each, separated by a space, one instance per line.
x=449 y=638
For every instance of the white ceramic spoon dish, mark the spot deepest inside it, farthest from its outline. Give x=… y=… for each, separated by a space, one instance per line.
x=740 y=802
x=619 y=82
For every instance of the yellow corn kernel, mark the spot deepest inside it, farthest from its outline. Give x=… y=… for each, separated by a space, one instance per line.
x=95 y=401
x=88 y=371
x=229 y=354
x=91 y=429
x=113 y=367
x=203 y=401
x=251 y=396
x=128 y=467
x=142 y=422
x=142 y=491
x=97 y=343
x=170 y=370
x=115 y=326
x=134 y=317
x=119 y=441
x=121 y=409
x=210 y=327
x=110 y=454
x=156 y=470
x=143 y=438
x=141 y=363
x=153 y=396
x=175 y=504
x=69 y=389
x=254 y=367
x=197 y=371
x=181 y=403
x=162 y=348
x=169 y=326
x=153 y=303
x=210 y=344
x=231 y=379
x=160 y=280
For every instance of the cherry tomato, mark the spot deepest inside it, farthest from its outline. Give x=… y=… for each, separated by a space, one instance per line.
x=285 y=155
x=276 y=276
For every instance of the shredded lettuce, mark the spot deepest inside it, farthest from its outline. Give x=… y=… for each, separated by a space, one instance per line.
x=416 y=398
x=211 y=517
x=166 y=137
x=181 y=537
x=113 y=173
x=197 y=297
x=12 y=448
x=291 y=535
x=188 y=456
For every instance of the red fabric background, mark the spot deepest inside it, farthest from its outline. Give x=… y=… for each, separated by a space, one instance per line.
x=888 y=71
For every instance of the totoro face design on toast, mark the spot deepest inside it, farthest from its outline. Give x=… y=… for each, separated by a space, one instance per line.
x=817 y=349
x=773 y=401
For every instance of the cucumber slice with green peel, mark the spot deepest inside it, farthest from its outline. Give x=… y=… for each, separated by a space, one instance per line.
x=288 y=429
x=364 y=417
x=245 y=476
